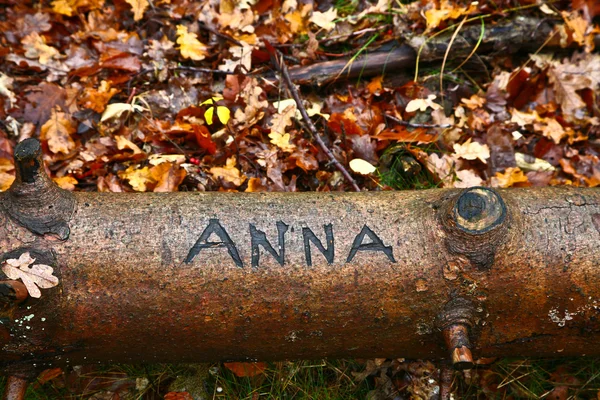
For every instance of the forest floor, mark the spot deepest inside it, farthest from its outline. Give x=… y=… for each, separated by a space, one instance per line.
x=302 y=95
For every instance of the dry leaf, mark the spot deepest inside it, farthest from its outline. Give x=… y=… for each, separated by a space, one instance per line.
x=509 y=177
x=422 y=104
x=123 y=143
x=137 y=178
x=5 y=88
x=467 y=178
x=57 y=132
x=138 y=7
x=324 y=19
x=229 y=173
x=278 y=124
x=472 y=151
x=38 y=275
x=116 y=109
x=189 y=45
x=36 y=48
x=66 y=182
x=362 y=167
x=247 y=369
x=7 y=174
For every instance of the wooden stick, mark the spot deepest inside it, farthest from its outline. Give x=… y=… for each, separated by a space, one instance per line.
x=282 y=68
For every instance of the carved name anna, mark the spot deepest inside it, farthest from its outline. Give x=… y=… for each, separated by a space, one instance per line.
x=258 y=240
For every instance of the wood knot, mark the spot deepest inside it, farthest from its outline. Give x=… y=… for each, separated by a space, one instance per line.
x=34 y=200
x=479 y=210
x=476 y=223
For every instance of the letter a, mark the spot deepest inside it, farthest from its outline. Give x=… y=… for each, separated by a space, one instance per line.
x=202 y=243
x=375 y=245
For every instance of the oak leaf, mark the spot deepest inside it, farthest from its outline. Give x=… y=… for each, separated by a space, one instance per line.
x=138 y=7
x=229 y=172
x=278 y=124
x=422 y=104
x=66 y=182
x=36 y=48
x=472 y=151
x=57 y=132
x=467 y=178
x=509 y=177
x=325 y=19
x=138 y=179
x=34 y=277
x=116 y=109
x=189 y=45
x=5 y=88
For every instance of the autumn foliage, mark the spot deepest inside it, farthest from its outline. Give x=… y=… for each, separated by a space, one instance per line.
x=179 y=95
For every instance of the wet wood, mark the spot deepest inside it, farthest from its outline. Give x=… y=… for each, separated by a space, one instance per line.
x=183 y=277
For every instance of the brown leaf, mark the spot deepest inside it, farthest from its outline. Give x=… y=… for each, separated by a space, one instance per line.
x=246 y=369
x=42 y=100
x=57 y=132
x=32 y=276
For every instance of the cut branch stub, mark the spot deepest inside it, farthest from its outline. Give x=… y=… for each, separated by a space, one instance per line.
x=455 y=321
x=33 y=200
x=476 y=222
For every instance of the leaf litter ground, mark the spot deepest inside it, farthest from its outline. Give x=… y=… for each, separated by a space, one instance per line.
x=137 y=95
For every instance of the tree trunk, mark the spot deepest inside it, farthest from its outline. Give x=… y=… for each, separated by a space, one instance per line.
x=184 y=277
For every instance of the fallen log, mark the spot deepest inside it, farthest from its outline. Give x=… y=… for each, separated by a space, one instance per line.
x=507 y=37
x=182 y=277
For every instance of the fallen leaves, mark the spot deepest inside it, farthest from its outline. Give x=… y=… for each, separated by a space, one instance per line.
x=229 y=173
x=470 y=150
x=246 y=369
x=278 y=125
x=57 y=132
x=189 y=45
x=138 y=7
x=33 y=276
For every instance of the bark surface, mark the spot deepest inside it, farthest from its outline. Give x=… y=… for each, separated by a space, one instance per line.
x=221 y=276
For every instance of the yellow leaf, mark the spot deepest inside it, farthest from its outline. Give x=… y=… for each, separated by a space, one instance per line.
x=208 y=115
x=278 y=125
x=223 y=114
x=509 y=177
x=66 y=182
x=189 y=45
x=57 y=132
x=138 y=178
x=138 y=7
x=7 y=174
x=361 y=166
x=123 y=143
x=229 y=173
x=472 y=151
x=36 y=48
x=63 y=7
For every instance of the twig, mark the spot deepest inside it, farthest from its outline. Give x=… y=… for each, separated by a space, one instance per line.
x=413 y=125
x=282 y=68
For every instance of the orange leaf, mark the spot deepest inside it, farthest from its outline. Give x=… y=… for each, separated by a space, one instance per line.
x=242 y=369
x=400 y=134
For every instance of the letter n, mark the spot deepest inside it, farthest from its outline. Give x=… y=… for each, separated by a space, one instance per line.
x=202 y=243
x=258 y=238
x=309 y=236
x=375 y=245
